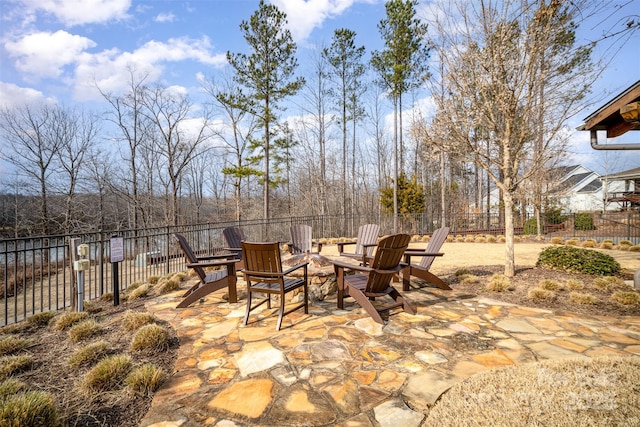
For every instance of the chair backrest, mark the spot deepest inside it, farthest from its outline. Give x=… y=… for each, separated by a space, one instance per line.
x=189 y=255
x=388 y=256
x=262 y=257
x=233 y=236
x=435 y=243
x=301 y=238
x=367 y=235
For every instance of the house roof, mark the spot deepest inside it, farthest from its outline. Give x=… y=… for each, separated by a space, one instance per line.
x=608 y=116
x=574 y=180
x=594 y=185
x=630 y=174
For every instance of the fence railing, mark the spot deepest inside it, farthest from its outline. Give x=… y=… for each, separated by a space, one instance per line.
x=36 y=273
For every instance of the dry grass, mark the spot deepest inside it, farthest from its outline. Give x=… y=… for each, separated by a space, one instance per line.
x=146 y=379
x=582 y=298
x=89 y=354
x=132 y=320
x=626 y=298
x=549 y=285
x=574 y=285
x=15 y=364
x=541 y=294
x=31 y=408
x=41 y=319
x=581 y=392
x=69 y=319
x=498 y=283
x=84 y=330
x=153 y=338
x=12 y=344
x=108 y=374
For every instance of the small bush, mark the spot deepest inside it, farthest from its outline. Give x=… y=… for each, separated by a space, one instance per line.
x=623 y=247
x=550 y=285
x=578 y=260
x=626 y=298
x=146 y=379
x=462 y=272
x=138 y=292
x=584 y=221
x=459 y=239
x=89 y=354
x=541 y=294
x=153 y=279
x=11 y=386
x=625 y=242
x=480 y=239
x=469 y=279
x=574 y=284
x=69 y=319
x=426 y=238
x=91 y=307
x=606 y=245
x=572 y=242
x=469 y=239
x=589 y=243
x=133 y=320
x=531 y=226
x=108 y=374
x=557 y=240
x=517 y=239
x=635 y=248
x=33 y=408
x=498 y=283
x=580 y=298
x=169 y=286
x=449 y=238
x=83 y=330
x=41 y=319
x=11 y=344
x=10 y=365
x=608 y=283
x=491 y=239
x=107 y=297
x=150 y=337
x=133 y=286
x=501 y=239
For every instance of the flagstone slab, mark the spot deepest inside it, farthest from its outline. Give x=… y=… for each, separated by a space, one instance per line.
x=424 y=389
x=393 y=413
x=517 y=325
x=257 y=357
x=247 y=398
x=546 y=350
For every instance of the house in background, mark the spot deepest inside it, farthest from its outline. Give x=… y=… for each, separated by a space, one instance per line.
x=622 y=189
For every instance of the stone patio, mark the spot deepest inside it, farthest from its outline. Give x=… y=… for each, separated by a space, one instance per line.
x=334 y=367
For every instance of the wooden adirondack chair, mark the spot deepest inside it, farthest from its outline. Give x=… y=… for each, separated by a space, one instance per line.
x=234 y=237
x=429 y=254
x=374 y=281
x=264 y=274
x=301 y=240
x=209 y=282
x=365 y=243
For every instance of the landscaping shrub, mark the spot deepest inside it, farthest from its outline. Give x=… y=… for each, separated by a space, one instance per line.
x=88 y=354
x=575 y=284
x=531 y=226
x=625 y=242
x=41 y=319
x=498 y=283
x=580 y=298
x=108 y=374
x=69 y=319
x=491 y=239
x=541 y=294
x=584 y=221
x=91 y=307
x=12 y=344
x=138 y=292
x=550 y=285
x=33 y=408
x=634 y=248
x=106 y=297
x=146 y=379
x=572 y=242
x=626 y=298
x=11 y=386
x=608 y=283
x=150 y=337
x=578 y=260
x=153 y=279
x=133 y=320
x=557 y=240
x=10 y=365
x=169 y=286
x=589 y=243
x=83 y=330
x=606 y=245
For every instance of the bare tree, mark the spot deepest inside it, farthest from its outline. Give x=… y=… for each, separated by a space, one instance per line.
x=32 y=148
x=493 y=82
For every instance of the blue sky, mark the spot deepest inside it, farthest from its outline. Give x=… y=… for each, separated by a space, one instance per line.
x=60 y=49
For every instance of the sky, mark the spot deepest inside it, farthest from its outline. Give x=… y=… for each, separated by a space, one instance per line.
x=60 y=50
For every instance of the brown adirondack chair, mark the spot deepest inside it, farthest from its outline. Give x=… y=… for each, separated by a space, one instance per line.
x=374 y=281
x=429 y=254
x=301 y=240
x=365 y=243
x=234 y=237
x=264 y=274
x=209 y=282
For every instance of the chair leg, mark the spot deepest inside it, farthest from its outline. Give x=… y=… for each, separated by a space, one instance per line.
x=366 y=304
x=398 y=298
x=280 y=313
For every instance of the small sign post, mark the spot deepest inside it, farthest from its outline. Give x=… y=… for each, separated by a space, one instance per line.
x=117 y=255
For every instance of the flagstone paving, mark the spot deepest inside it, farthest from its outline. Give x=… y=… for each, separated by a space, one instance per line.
x=338 y=367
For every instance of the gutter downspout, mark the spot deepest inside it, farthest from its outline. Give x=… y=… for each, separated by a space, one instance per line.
x=595 y=146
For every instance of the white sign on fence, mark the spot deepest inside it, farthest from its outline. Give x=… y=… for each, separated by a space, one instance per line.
x=117 y=249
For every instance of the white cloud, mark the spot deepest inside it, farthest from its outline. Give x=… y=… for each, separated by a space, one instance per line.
x=305 y=15
x=165 y=17
x=12 y=96
x=110 y=69
x=45 y=54
x=79 y=12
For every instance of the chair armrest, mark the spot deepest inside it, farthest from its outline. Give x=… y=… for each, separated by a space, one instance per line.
x=409 y=253
x=295 y=267
x=318 y=244
x=210 y=257
x=341 y=245
x=227 y=263
x=349 y=266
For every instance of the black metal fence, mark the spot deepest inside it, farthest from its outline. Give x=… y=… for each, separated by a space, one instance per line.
x=36 y=274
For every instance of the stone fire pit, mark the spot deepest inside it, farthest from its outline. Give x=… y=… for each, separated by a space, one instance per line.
x=320 y=271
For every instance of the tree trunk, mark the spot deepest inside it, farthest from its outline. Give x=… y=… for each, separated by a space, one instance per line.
x=509 y=262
